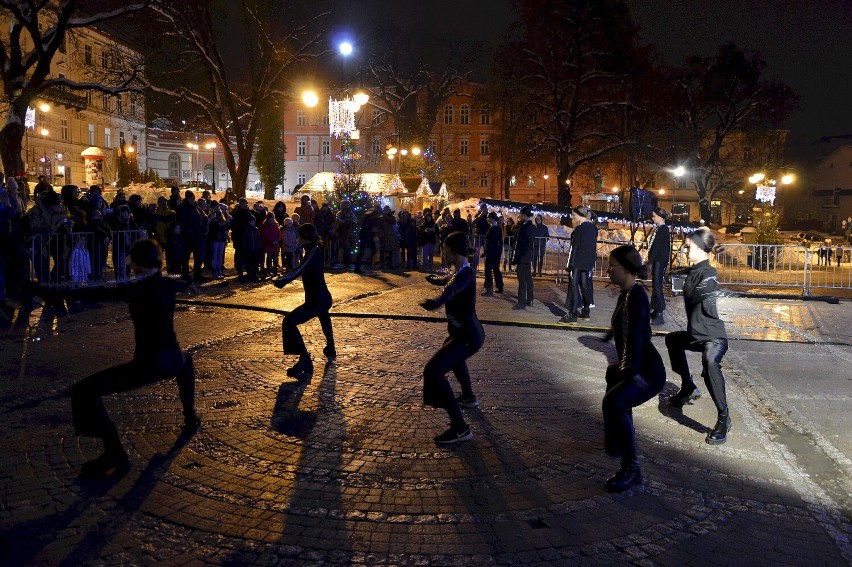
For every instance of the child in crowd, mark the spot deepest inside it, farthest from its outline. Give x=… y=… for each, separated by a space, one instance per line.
x=270 y=236
x=289 y=244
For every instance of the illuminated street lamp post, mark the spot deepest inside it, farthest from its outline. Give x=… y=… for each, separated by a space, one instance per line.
x=195 y=147
x=212 y=147
x=392 y=151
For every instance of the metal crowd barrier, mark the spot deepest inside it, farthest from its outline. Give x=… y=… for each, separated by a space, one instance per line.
x=77 y=259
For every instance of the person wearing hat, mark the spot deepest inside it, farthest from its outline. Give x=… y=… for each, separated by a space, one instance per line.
x=493 y=251
x=523 y=256
x=42 y=187
x=151 y=302
x=317 y=304
x=659 y=255
x=581 y=263
x=705 y=333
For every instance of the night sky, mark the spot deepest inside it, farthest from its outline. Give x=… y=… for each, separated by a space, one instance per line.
x=806 y=43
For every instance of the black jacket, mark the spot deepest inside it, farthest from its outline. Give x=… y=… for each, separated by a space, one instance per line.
x=700 y=290
x=584 y=246
x=311 y=270
x=524 y=242
x=631 y=329
x=494 y=242
x=459 y=299
x=660 y=247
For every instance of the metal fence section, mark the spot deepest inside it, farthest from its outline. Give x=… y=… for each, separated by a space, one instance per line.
x=76 y=259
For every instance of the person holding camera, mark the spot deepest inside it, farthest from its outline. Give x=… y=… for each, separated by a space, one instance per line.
x=317 y=304
x=466 y=337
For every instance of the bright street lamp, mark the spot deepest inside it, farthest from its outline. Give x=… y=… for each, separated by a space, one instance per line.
x=345 y=48
x=192 y=146
x=310 y=99
x=212 y=147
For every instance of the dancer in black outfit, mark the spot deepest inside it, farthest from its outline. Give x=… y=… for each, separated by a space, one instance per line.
x=317 y=303
x=151 y=301
x=705 y=333
x=659 y=255
x=466 y=336
x=639 y=374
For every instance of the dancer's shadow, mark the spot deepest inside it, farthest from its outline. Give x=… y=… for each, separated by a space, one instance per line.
x=598 y=344
x=287 y=418
x=676 y=413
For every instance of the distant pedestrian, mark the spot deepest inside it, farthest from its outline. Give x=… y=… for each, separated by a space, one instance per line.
x=317 y=304
x=523 y=256
x=581 y=263
x=639 y=374
x=493 y=243
x=705 y=333
x=466 y=337
x=659 y=255
x=542 y=234
x=151 y=302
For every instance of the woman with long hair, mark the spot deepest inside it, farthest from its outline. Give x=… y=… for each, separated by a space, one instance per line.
x=466 y=336
x=705 y=333
x=639 y=374
x=317 y=304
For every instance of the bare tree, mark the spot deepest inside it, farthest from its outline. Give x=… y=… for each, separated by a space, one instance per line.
x=37 y=31
x=228 y=62
x=715 y=99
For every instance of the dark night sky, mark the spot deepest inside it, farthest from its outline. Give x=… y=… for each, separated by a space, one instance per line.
x=806 y=43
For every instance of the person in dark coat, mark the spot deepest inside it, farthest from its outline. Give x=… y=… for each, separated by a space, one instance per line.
x=426 y=239
x=705 y=333
x=540 y=247
x=317 y=304
x=193 y=232
x=659 y=255
x=466 y=337
x=493 y=242
x=240 y=218
x=367 y=240
x=151 y=301
x=523 y=257
x=638 y=376
x=581 y=263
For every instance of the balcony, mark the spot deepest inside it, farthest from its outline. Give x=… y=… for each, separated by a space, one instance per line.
x=63 y=96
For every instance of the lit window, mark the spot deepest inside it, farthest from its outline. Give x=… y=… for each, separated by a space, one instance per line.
x=63 y=129
x=301 y=148
x=107 y=137
x=301 y=118
x=464 y=114
x=531 y=180
x=513 y=181
x=448 y=114
x=91 y=134
x=174 y=166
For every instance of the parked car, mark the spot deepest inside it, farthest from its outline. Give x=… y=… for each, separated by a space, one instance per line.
x=808 y=238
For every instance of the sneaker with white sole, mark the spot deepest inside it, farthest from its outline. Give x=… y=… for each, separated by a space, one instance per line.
x=467 y=401
x=452 y=436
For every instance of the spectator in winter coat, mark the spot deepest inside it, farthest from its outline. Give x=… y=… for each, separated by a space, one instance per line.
x=408 y=240
x=219 y=223
x=289 y=245
x=193 y=232
x=581 y=263
x=493 y=243
x=540 y=246
x=523 y=257
x=239 y=223
x=344 y=230
x=427 y=236
x=270 y=237
x=305 y=210
x=251 y=249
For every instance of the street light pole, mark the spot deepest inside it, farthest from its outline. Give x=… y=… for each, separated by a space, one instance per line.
x=212 y=147
x=192 y=146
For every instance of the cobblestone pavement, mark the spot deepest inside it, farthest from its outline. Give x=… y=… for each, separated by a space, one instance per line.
x=343 y=470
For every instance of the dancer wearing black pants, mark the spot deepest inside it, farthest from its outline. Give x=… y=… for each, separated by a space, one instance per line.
x=466 y=336
x=151 y=301
x=317 y=304
x=659 y=255
x=639 y=374
x=705 y=333
x=581 y=263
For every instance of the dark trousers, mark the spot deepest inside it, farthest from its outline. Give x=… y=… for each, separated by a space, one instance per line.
x=525 y=283
x=88 y=413
x=580 y=291
x=622 y=395
x=437 y=391
x=712 y=352
x=292 y=337
x=538 y=262
x=363 y=248
x=658 y=300
x=493 y=275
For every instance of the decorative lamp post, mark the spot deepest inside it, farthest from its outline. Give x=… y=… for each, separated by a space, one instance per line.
x=195 y=147
x=212 y=147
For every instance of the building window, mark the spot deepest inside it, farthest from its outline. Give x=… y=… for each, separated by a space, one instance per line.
x=87 y=54
x=748 y=155
x=302 y=148
x=377 y=117
x=464 y=147
x=91 y=134
x=377 y=147
x=132 y=105
x=531 y=180
x=104 y=59
x=513 y=181
x=301 y=119
x=105 y=101
x=119 y=107
x=135 y=141
x=120 y=139
x=326 y=148
x=464 y=114
x=483 y=180
x=107 y=138
x=484 y=115
x=89 y=98
x=174 y=166
x=63 y=129
x=448 y=114
x=484 y=148
x=433 y=147
x=463 y=181
x=301 y=178
x=325 y=119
